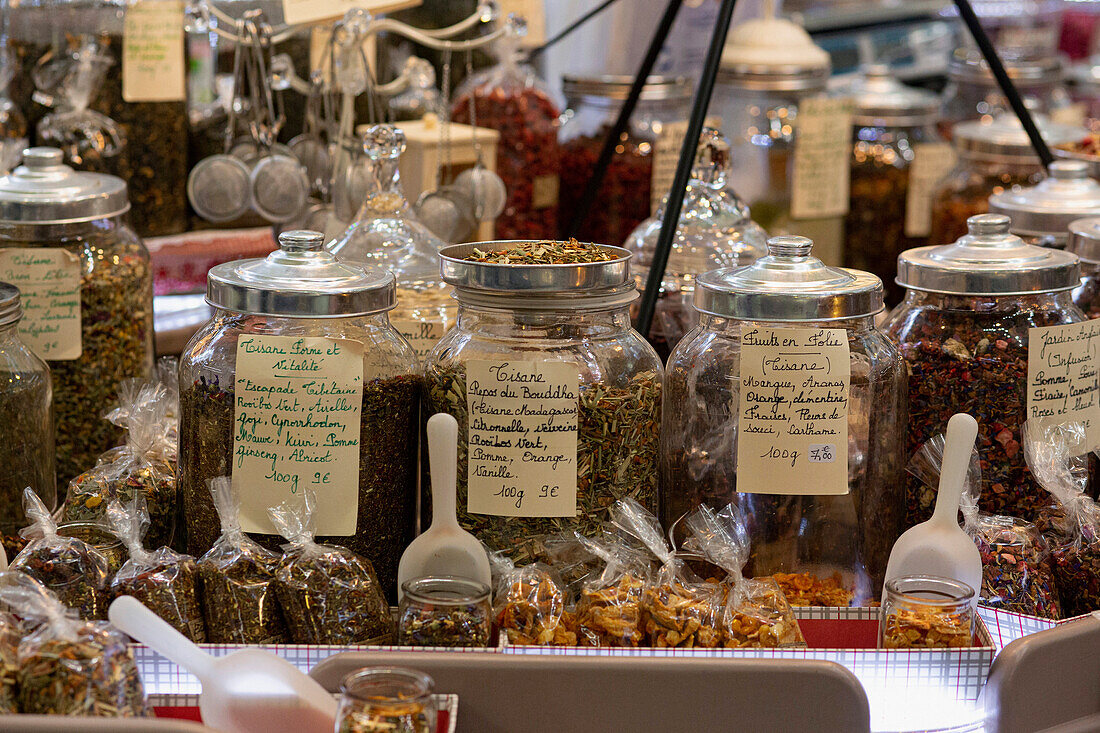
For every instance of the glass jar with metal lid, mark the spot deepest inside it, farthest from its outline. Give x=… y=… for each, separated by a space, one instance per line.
x=971 y=311
x=299 y=383
x=557 y=397
x=87 y=292
x=892 y=126
x=27 y=451
x=639 y=175
x=1042 y=213
x=787 y=401
x=1084 y=241
x=993 y=157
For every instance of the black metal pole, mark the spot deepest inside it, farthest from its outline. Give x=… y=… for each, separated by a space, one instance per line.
x=1003 y=81
x=623 y=120
x=538 y=51
x=683 y=167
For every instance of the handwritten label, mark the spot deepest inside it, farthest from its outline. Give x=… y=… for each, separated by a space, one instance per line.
x=421 y=335
x=544 y=191
x=666 y=154
x=49 y=288
x=821 y=158
x=296 y=12
x=296 y=427
x=1062 y=377
x=1071 y=114
x=152 y=52
x=522 y=455
x=931 y=162
x=792 y=431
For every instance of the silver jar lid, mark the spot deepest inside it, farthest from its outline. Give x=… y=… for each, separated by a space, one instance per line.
x=883 y=101
x=1003 y=139
x=988 y=261
x=1048 y=208
x=788 y=285
x=1084 y=239
x=656 y=88
x=970 y=66
x=11 y=309
x=46 y=191
x=300 y=280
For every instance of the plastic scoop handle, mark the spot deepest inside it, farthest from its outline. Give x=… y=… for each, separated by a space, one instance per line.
x=133 y=618
x=443 y=459
x=962 y=430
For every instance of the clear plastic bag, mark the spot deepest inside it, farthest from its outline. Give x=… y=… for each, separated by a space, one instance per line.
x=609 y=609
x=70 y=567
x=11 y=632
x=238 y=581
x=529 y=604
x=68 y=666
x=329 y=595
x=163 y=579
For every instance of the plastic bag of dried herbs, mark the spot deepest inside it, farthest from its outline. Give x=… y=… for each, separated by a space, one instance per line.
x=609 y=608
x=70 y=567
x=11 y=633
x=238 y=581
x=164 y=580
x=68 y=666
x=329 y=595
x=529 y=604
x=1075 y=541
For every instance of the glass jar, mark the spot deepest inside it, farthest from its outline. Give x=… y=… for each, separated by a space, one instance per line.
x=349 y=433
x=98 y=537
x=1084 y=241
x=715 y=230
x=444 y=611
x=27 y=453
x=635 y=182
x=825 y=498
x=926 y=612
x=1042 y=213
x=993 y=157
x=963 y=329
x=87 y=290
x=386 y=698
x=550 y=347
x=892 y=126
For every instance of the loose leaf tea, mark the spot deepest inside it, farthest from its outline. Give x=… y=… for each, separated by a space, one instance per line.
x=450 y=625
x=1016 y=567
x=10 y=635
x=544 y=253
x=875 y=227
x=412 y=716
x=26 y=453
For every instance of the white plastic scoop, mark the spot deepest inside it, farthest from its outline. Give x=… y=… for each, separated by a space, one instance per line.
x=940 y=546
x=446 y=548
x=249 y=691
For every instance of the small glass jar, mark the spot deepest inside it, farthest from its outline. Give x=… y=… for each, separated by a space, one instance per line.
x=444 y=611
x=387 y=698
x=1084 y=241
x=633 y=187
x=993 y=157
x=892 y=125
x=804 y=526
x=27 y=453
x=1042 y=213
x=550 y=347
x=268 y=394
x=715 y=230
x=963 y=329
x=926 y=612
x=87 y=289
x=98 y=537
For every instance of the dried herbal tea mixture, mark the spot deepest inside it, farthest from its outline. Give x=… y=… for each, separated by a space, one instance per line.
x=98 y=537
x=1017 y=574
x=611 y=614
x=25 y=458
x=1077 y=571
x=390 y=717
x=875 y=227
x=926 y=629
x=677 y=615
x=529 y=606
x=11 y=633
x=422 y=624
x=570 y=252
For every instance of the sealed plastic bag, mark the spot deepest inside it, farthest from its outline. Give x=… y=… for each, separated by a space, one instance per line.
x=329 y=595
x=68 y=666
x=70 y=567
x=164 y=580
x=11 y=632
x=529 y=604
x=238 y=581
x=609 y=609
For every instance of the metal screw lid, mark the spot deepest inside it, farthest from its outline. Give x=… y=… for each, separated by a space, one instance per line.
x=609 y=86
x=46 y=191
x=883 y=101
x=11 y=309
x=788 y=285
x=971 y=66
x=1003 y=139
x=1084 y=239
x=988 y=261
x=301 y=280
x=1048 y=208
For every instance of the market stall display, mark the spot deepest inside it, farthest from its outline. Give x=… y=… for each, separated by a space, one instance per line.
x=1041 y=214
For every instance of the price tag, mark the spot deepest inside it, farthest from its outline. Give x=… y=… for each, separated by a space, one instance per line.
x=152 y=52
x=822 y=158
x=1062 y=377
x=931 y=162
x=49 y=288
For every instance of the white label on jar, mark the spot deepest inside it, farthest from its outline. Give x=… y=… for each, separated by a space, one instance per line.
x=522 y=438
x=792 y=428
x=421 y=335
x=544 y=191
x=1062 y=377
x=1070 y=114
x=822 y=158
x=666 y=155
x=296 y=414
x=931 y=162
x=49 y=289
x=152 y=52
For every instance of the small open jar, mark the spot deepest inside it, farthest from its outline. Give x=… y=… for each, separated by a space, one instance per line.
x=1042 y=213
x=96 y=536
x=444 y=611
x=1084 y=241
x=926 y=612
x=386 y=698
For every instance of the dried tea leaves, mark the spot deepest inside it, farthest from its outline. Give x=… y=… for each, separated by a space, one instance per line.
x=570 y=252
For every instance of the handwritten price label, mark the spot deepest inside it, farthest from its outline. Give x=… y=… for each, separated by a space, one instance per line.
x=49 y=288
x=1062 y=368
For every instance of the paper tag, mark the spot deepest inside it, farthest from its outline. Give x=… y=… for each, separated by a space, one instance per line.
x=522 y=454
x=822 y=158
x=421 y=335
x=1062 y=377
x=49 y=289
x=298 y=12
x=666 y=155
x=1071 y=114
x=297 y=426
x=792 y=431
x=931 y=162
x=152 y=52
x=544 y=191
